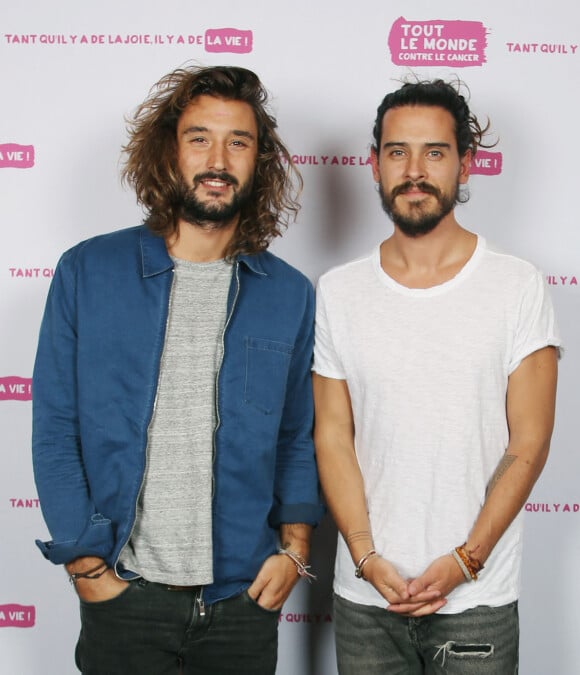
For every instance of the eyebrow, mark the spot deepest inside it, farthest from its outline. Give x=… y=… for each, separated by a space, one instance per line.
x=434 y=144
x=236 y=132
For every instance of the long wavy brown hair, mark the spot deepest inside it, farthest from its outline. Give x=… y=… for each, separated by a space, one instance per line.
x=150 y=166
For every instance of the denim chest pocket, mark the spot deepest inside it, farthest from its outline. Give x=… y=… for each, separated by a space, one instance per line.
x=267 y=364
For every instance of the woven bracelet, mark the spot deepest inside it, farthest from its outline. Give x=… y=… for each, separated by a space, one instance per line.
x=89 y=574
x=301 y=566
x=461 y=564
x=469 y=563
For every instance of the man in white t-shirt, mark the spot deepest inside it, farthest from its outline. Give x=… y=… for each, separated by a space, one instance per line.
x=435 y=378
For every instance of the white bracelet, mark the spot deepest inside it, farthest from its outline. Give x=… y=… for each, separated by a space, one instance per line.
x=462 y=565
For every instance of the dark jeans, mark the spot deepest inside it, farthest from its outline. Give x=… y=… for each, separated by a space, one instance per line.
x=151 y=630
x=373 y=641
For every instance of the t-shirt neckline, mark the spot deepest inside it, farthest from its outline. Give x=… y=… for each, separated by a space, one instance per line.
x=438 y=289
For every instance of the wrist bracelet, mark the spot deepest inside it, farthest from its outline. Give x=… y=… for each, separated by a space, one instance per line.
x=461 y=565
x=301 y=566
x=358 y=570
x=470 y=566
x=89 y=574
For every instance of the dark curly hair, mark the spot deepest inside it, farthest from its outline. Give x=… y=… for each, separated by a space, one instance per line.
x=151 y=155
x=468 y=132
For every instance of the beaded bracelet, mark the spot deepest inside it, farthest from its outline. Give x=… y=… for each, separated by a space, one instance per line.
x=89 y=574
x=301 y=566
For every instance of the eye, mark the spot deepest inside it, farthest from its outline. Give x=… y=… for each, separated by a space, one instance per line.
x=238 y=143
x=435 y=154
x=196 y=140
x=395 y=152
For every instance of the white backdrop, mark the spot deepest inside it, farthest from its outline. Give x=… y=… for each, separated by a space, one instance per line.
x=71 y=71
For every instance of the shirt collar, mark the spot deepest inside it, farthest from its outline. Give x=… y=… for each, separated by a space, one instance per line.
x=155 y=259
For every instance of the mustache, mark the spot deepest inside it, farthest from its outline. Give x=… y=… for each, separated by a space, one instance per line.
x=409 y=185
x=213 y=175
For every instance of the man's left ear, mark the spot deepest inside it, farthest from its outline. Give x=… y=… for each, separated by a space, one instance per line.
x=465 y=168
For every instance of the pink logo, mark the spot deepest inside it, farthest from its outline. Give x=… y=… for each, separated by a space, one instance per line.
x=17 y=616
x=230 y=40
x=16 y=156
x=14 y=388
x=438 y=43
x=487 y=163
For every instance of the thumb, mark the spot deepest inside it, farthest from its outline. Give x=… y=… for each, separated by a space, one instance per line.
x=422 y=583
x=399 y=585
x=417 y=585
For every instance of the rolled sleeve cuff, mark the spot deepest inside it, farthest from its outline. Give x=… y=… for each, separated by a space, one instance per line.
x=309 y=514
x=97 y=540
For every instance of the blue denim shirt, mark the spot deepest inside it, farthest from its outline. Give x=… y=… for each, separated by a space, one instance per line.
x=94 y=387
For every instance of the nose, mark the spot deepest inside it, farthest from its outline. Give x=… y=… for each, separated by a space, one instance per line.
x=217 y=158
x=415 y=169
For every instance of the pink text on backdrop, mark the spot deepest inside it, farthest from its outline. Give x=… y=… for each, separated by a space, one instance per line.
x=458 y=44
x=16 y=156
x=545 y=507
x=26 y=503
x=229 y=40
x=487 y=163
x=17 y=616
x=542 y=48
x=14 y=388
x=562 y=280
x=31 y=272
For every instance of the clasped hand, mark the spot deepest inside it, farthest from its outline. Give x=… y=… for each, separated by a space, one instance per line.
x=424 y=595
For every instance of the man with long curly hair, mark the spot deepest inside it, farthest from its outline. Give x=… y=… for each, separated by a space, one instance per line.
x=173 y=409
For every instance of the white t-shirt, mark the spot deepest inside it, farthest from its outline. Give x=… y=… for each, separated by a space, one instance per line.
x=427 y=372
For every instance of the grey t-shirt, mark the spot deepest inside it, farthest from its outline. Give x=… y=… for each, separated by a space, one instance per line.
x=171 y=540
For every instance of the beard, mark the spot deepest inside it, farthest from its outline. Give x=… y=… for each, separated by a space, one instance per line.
x=212 y=215
x=420 y=220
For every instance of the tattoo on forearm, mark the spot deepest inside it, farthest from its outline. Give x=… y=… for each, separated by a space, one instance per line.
x=472 y=551
x=502 y=467
x=292 y=533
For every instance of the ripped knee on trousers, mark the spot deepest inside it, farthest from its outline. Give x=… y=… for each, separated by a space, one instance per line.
x=457 y=650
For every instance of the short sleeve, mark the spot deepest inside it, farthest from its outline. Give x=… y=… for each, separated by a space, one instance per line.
x=536 y=325
x=326 y=360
